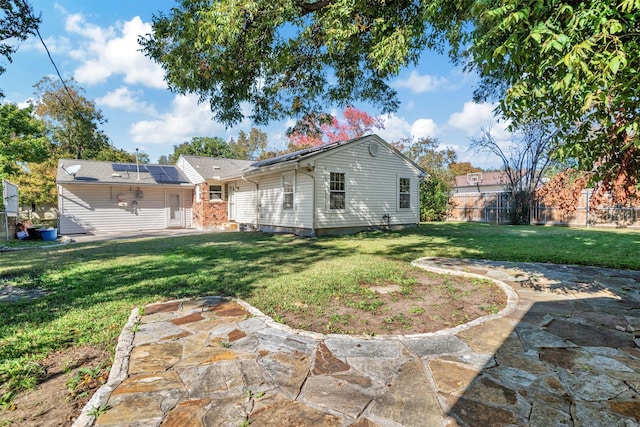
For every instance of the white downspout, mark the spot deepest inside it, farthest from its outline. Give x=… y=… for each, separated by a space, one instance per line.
x=313 y=199
x=257 y=224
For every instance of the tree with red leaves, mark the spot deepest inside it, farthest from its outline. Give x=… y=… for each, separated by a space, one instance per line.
x=316 y=130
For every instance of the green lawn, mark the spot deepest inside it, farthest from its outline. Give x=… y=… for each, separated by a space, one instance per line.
x=92 y=287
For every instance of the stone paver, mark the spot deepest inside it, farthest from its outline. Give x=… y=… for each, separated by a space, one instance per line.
x=565 y=352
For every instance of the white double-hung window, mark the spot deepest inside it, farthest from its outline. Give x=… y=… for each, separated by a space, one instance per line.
x=288 y=188
x=404 y=193
x=337 y=191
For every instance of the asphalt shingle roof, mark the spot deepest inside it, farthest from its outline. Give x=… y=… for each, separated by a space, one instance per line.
x=217 y=167
x=119 y=173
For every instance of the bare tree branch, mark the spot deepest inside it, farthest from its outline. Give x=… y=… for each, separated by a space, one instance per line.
x=524 y=163
x=308 y=7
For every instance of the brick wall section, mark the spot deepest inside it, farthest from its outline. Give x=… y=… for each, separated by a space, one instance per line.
x=208 y=214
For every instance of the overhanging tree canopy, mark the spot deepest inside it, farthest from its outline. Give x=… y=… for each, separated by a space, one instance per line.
x=573 y=66
x=287 y=58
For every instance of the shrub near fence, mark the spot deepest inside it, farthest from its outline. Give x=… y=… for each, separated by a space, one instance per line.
x=494 y=208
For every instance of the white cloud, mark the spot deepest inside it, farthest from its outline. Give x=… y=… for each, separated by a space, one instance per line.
x=410 y=105
x=417 y=83
x=26 y=103
x=395 y=128
x=473 y=117
x=113 y=50
x=186 y=120
x=124 y=99
x=423 y=128
x=54 y=44
x=472 y=120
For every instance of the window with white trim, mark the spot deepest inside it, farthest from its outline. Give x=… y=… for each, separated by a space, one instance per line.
x=215 y=193
x=198 y=193
x=404 y=193
x=288 y=186
x=337 y=191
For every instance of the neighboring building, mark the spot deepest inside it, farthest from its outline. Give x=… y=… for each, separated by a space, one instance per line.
x=103 y=197
x=481 y=182
x=340 y=187
x=480 y=197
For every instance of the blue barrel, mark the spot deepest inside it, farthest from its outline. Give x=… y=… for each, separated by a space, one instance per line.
x=48 y=233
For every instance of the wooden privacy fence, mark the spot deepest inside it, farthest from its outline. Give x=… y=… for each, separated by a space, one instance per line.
x=479 y=207
x=494 y=208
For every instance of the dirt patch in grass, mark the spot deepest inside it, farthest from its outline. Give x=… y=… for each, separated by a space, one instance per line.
x=431 y=303
x=422 y=302
x=70 y=379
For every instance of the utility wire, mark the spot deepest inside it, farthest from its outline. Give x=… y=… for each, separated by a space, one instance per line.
x=64 y=84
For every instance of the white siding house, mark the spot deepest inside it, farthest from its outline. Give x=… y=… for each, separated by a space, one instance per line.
x=339 y=187
x=104 y=197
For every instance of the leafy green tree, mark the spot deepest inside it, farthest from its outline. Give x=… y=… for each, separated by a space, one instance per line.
x=434 y=199
x=17 y=22
x=249 y=147
x=202 y=146
x=72 y=120
x=573 y=66
x=463 y=168
x=436 y=189
x=22 y=138
x=112 y=154
x=37 y=182
x=287 y=58
x=163 y=160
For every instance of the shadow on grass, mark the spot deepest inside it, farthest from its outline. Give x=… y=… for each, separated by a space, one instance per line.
x=92 y=287
x=101 y=282
x=558 y=245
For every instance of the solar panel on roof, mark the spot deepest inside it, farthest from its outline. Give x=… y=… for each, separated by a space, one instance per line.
x=162 y=173
x=127 y=167
x=173 y=174
x=156 y=173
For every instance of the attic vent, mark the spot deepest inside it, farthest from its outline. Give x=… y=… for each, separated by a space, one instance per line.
x=474 y=178
x=373 y=148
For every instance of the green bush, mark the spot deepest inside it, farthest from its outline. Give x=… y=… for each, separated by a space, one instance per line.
x=434 y=199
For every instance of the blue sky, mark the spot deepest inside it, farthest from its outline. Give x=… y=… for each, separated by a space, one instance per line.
x=95 y=42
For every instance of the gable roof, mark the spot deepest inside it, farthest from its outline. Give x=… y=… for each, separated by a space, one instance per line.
x=91 y=171
x=483 y=179
x=217 y=167
x=300 y=155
